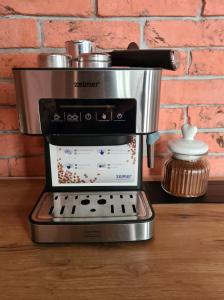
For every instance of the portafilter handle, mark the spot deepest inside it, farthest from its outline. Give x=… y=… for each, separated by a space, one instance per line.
x=151 y=138
x=146 y=58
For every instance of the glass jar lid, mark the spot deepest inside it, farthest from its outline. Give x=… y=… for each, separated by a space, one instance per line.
x=187 y=147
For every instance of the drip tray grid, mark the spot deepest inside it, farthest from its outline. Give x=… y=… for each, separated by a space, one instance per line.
x=92 y=207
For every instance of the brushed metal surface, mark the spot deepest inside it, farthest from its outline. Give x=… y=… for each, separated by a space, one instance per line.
x=77 y=233
x=54 y=60
x=141 y=84
x=94 y=60
x=75 y=48
x=62 y=226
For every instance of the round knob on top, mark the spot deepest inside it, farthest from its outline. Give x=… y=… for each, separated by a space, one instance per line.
x=186 y=147
x=189 y=131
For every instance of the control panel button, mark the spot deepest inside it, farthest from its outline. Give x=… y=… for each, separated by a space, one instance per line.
x=73 y=117
x=119 y=116
x=104 y=116
x=56 y=117
x=88 y=116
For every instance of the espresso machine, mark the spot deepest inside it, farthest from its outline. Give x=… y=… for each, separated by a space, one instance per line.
x=94 y=112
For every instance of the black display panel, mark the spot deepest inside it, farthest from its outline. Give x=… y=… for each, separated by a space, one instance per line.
x=93 y=116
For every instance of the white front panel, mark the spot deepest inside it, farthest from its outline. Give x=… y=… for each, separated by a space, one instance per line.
x=95 y=165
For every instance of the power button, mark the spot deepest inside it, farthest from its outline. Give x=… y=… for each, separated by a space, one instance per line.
x=88 y=116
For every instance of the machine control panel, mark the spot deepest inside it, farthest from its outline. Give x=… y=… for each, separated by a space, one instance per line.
x=77 y=116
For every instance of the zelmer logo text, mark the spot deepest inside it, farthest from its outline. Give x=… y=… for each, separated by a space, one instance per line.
x=86 y=84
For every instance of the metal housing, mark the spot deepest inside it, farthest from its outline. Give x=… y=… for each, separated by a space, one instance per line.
x=140 y=84
x=84 y=217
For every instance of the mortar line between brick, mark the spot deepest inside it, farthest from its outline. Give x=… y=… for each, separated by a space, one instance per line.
x=29 y=50
x=210 y=130
x=189 y=62
x=143 y=44
x=7 y=132
x=173 y=131
x=196 y=18
x=95 y=8
x=11 y=177
x=199 y=13
x=203 y=4
x=192 y=77
x=165 y=154
x=187 y=106
x=185 y=115
x=21 y=156
x=39 y=32
x=185 y=49
x=177 y=105
x=17 y=49
x=73 y=18
x=7 y=106
x=201 y=130
x=42 y=36
x=203 y=104
x=193 y=48
x=6 y=80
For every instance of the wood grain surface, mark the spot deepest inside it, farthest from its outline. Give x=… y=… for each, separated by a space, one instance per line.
x=185 y=260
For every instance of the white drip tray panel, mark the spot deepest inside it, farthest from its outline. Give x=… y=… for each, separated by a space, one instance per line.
x=92 y=207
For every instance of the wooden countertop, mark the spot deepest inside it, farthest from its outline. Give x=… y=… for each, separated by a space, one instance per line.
x=185 y=260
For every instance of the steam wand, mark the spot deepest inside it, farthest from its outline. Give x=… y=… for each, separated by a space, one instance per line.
x=151 y=138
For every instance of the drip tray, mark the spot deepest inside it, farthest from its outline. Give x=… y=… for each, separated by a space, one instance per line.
x=92 y=207
x=92 y=216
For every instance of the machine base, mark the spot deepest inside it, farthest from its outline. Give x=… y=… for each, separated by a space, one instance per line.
x=91 y=217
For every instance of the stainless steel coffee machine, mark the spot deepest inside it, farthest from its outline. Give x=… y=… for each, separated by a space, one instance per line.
x=93 y=118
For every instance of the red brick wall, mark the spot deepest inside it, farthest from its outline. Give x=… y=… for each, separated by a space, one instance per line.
x=196 y=90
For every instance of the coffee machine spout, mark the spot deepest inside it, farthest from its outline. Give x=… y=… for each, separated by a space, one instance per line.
x=151 y=138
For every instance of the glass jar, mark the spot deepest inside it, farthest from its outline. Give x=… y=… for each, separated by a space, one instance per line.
x=184 y=178
x=186 y=173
